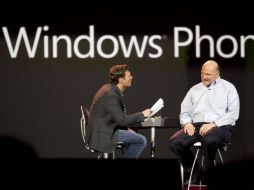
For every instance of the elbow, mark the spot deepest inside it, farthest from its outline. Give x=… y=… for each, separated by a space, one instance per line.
x=121 y=122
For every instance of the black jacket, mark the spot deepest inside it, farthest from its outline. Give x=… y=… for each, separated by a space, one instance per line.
x=106 y=116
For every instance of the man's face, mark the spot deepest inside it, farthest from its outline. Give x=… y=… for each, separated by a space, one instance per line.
x=127 y=79
x=209 y=74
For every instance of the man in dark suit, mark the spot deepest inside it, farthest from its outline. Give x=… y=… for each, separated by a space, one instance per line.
x=108 y=121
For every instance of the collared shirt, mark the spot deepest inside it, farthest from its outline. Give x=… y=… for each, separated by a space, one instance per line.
x=217 y=103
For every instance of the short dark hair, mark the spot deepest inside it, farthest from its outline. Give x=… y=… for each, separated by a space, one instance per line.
x=116 y=72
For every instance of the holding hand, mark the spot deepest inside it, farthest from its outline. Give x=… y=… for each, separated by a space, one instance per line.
x=147 y=112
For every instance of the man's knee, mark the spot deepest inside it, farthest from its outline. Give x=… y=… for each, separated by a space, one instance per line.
x=208 y=141
x=173 y=145
x=143 y=140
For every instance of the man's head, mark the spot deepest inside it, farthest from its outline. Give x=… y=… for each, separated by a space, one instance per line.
x=120 y=75
x=210 y=72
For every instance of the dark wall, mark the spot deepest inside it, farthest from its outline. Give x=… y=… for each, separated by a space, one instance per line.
x=41 y=97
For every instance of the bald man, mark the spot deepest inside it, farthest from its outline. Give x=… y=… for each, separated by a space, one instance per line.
x=208 y=113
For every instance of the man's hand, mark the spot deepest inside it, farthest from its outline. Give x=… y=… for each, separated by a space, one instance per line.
x=147 y=112
x=189 y=129
x=131 y=130
x=205 y=128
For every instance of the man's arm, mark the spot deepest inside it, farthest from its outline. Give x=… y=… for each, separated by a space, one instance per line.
x=186 y=109
x=232 y=112
x=113 y=106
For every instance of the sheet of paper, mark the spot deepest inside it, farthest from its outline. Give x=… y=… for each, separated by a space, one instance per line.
x=156 y=107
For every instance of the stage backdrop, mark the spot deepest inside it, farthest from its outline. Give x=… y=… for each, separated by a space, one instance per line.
x=51 y=64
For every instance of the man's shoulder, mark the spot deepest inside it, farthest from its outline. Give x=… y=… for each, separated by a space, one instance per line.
x=225 y=81
x=103 y=90
x=109 y=90
x=198 y=85
x=106 y=88
x=227 y=84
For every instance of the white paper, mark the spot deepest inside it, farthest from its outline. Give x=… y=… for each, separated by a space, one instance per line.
x=156 y=107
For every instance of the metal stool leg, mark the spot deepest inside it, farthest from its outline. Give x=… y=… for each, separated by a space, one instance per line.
x=220 y=157
x=193 y=165
x=105 y=155
x=182 y=175
x=198 y=145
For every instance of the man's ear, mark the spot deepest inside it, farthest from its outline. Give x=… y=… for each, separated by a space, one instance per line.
x=121 y=79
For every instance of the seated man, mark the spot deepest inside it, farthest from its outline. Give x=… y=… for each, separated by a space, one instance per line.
x=108 y=119
x=208 y=113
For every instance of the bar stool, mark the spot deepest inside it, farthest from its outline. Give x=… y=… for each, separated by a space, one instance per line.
x=198 y=145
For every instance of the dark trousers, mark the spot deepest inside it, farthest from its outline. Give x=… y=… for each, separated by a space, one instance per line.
x=181 y=143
